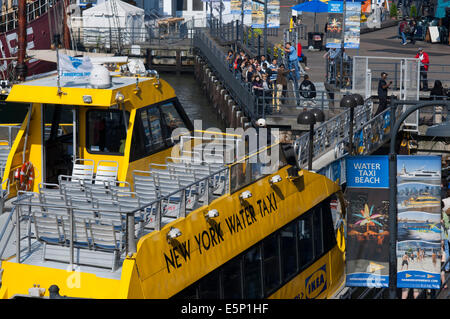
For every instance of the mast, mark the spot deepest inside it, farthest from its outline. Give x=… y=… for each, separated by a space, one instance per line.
x=66 y=31
x=21 y=67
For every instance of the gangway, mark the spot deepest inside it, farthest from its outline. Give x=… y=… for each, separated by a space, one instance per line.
x=331 y=138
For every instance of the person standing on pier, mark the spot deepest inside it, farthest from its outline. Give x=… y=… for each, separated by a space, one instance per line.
x=291 y=53
x=424 y=64
x=382 y=93
x=281 y=84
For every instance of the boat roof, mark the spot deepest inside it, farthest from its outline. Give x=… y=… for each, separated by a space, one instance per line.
x=45 y=90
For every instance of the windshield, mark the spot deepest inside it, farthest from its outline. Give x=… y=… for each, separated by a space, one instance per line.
x=106 y=131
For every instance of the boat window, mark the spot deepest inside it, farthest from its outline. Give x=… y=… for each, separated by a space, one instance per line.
x=305 y=239
x=151 y=123
x=172 y=119
x=252 y=273
x=288 y=251
x=271 y=264
x=209 y=286
x=317 y=231
x=105 y=131
x=231 y=279
x=329 y=234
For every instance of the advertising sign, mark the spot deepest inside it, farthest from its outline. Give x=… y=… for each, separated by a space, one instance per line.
x=257 y=14
x=334 y=24
x=273 y=13
x=419 y=221
x=352 y=25
x=367 y=234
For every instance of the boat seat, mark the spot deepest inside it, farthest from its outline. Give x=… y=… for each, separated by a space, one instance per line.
x=80 y=231
x=92 y=191
x=145 y=186
x=49 y=188
x=106 y=171
x=50 y=200
x=82 y=207
x=47 y=229
x=109 y=210
x=83 y=169
x=119 y=186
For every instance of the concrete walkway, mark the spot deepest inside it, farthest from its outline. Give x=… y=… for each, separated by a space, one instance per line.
x=382 y=42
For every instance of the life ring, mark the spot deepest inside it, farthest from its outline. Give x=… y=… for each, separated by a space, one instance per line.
x=25 y=176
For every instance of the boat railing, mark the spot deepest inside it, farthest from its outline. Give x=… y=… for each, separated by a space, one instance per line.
x=129 y=215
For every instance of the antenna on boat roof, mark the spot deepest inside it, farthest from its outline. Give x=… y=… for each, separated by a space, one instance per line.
x=57 y=43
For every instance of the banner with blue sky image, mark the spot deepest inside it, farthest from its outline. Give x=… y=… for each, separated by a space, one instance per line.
x=419 y=218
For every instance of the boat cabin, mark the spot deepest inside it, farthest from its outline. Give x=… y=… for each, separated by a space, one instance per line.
x=125 y=125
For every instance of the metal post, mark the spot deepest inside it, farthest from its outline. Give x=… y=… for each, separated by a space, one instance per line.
x=131 y=242
x=311 y=149
x=350 y=137
x=71 y=238
x=242 y=21
x=18 y=234
x=265 y=27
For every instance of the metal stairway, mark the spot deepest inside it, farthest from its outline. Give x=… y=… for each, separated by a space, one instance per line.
x=331 y=139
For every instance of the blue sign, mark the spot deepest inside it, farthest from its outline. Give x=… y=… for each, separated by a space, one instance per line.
x=335 y=7
x=367 y=171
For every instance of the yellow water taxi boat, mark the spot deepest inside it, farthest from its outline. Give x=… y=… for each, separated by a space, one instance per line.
x=116 y=196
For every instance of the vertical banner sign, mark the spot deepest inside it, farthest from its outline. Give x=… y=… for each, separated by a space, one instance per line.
x=367 y=234
x=273 y=13
x=419 y=221
x=352 y=25
x=236 y=8
x=257 y=14
x=247 y=12
x=334 y=24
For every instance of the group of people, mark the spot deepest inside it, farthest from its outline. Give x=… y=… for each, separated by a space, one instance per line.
x=268 y=79
x=407 y=31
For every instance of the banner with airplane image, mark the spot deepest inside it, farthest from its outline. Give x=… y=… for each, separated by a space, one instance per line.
x=419 y=221
x=367 y=242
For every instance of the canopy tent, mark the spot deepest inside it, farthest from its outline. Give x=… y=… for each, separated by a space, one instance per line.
x=114 y=22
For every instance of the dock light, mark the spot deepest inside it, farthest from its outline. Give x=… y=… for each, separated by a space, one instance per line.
x=213 y=213
x=245 y=195
x=275 y=179
x=119 y=97
x=173 y=233
x=87 y=99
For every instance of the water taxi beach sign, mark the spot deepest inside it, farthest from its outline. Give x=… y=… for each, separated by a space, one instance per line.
x=367 y=241
x=367 y=171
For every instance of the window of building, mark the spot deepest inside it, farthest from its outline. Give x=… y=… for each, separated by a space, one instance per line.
x=288 y=251
x=105 y=131
x=271 y=264
x=232 y=279
x=197 y=5
x=252 y=273
x=181 y=5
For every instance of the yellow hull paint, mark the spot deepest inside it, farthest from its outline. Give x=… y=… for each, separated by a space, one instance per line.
x=18 y=278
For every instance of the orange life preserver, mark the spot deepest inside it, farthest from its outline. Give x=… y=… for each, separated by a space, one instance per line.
x=25 y=176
